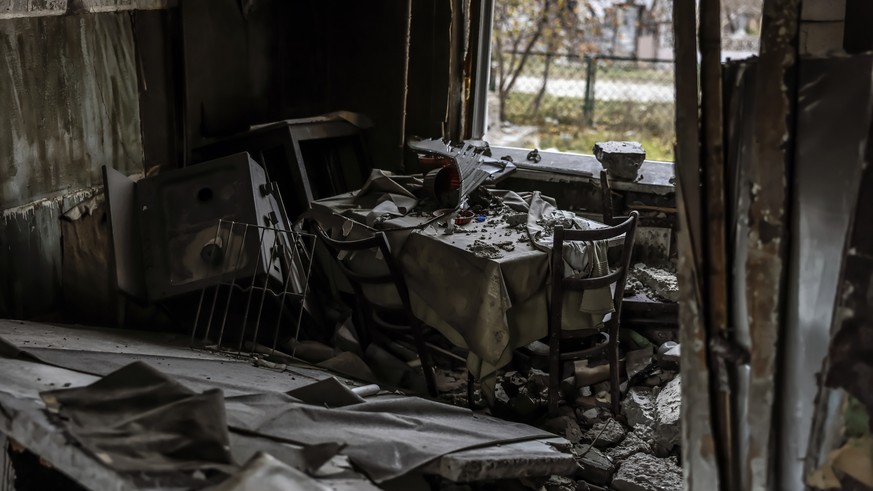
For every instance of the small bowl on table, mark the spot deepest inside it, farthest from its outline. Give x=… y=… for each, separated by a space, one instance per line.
x=464 y=217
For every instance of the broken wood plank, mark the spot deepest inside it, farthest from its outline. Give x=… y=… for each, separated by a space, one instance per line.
x=769 y=171
x=713 y=164
x=698 y=446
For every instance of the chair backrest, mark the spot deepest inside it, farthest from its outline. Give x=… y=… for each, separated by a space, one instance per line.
x=606 y=198
x=357 y=279
x=627 y=227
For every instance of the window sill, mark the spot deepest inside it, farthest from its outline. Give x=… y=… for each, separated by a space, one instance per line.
x=655 y=177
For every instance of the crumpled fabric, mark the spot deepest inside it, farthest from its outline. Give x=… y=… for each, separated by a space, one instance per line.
x=383 y=196
x=384 y=437
x=581 y=259
x=138 y=419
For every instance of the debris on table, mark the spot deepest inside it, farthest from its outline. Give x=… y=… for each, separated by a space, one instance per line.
x=468 y=167
x=507 y=246
x=483 y=249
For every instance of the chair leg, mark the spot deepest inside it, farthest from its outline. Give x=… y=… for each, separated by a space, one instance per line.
x=615 y=379
x=426 y=360
x=470 y=390
x=554 y=372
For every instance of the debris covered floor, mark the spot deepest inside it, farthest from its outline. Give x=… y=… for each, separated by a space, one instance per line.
x=591 y=449
x=637 y=449
x=391 y=442
x=118 y=409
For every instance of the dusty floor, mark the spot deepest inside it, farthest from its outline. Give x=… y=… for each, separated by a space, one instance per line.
x=635 y=450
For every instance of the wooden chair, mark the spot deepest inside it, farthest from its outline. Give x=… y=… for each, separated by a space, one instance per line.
x=606 y=198
x=379 y=317
x=560 y=284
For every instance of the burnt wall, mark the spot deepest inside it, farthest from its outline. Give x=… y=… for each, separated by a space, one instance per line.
x=69 y=109
x=70 y=104
x=282 y=60
x=138 y=90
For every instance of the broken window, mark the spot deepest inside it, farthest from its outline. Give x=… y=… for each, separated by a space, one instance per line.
x=562 y=76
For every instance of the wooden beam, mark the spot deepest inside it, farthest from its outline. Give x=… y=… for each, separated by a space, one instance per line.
x=713 y=163
x=699 y=457
x=769 y=176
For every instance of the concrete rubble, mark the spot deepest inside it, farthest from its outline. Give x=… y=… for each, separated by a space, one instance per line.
x=565 y=426
x=639 y=407
x=560 y=483
x=621 y=159
x=636 y=441
x=605 y=434
x=644 y=472
x=667 y=423
x=662 y=283
x=594 y=466
x=635 y=450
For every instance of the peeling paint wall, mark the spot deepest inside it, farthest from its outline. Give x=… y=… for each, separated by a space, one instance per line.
x=284 y=60
x=14 y=9
x=67 y=111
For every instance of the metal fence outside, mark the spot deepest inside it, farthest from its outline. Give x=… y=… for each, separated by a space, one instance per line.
x=615 y=98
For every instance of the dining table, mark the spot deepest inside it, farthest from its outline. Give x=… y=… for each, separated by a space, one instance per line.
x=483 y=284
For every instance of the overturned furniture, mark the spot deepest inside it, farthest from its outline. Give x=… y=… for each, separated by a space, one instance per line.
x=310 y=158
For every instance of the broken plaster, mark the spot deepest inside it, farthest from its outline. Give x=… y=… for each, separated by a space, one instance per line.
x=53 y=201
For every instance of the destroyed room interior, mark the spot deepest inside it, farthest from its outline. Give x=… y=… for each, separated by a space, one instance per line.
x=450 y=245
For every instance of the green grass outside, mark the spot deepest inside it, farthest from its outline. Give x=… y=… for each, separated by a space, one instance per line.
x=581 y=140
x=562 y=123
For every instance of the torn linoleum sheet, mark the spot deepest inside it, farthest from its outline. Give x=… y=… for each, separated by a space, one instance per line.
x=329 y=392
x=266 y=473
x=245 y=446
x=385 y=438
x=138 y=419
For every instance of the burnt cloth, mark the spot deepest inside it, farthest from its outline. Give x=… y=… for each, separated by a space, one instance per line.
x=138 y=419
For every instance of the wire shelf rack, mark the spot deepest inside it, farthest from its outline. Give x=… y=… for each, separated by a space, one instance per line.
x=258 y=265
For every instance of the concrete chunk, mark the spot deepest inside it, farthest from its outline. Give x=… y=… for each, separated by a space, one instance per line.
x=591 y=415
x=621 y=159
x=633 y=443
x=560 y=483
x=565 y=426
x=594 y=466
x=611 y=432
x=643 y=472
x=662 y=282
x=667 y=422
x=639 y=407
